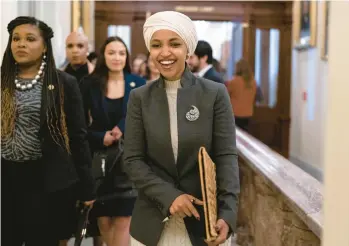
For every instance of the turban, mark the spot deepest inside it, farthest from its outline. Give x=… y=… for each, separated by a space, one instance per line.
x=173 y=21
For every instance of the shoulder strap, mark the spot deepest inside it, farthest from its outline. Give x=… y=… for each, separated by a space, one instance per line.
x=120 y=147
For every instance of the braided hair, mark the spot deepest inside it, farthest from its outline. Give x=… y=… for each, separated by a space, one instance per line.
x=55 y=115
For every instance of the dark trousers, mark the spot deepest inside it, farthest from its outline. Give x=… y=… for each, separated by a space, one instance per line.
x=242 y=122
x=34 y=242
x=29 y=215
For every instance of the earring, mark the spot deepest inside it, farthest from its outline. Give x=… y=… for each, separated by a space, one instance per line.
x=44 y=56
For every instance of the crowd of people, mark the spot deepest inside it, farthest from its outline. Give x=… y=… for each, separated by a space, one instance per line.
x=56 y=123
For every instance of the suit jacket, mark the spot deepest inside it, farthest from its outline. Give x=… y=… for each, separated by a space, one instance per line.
x=90 y=67
x=61 y=168
x=95 y=106
x=149 y=159
x=213 y=75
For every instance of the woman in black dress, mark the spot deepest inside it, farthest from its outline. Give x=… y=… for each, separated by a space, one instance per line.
x=105 y=95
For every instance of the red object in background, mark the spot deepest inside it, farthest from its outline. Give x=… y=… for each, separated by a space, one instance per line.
x=305 y=94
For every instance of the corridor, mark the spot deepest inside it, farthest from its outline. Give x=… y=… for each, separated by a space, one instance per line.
x=88 y=242
x=262 y=85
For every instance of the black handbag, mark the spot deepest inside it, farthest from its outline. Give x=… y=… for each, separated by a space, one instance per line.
x=104 y=162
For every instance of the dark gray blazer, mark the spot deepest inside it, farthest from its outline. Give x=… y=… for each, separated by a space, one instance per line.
x=150 y=163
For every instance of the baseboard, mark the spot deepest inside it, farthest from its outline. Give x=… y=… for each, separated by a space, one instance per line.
x=310 y=169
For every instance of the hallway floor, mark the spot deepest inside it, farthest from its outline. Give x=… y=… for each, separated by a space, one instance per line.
x=88 y=242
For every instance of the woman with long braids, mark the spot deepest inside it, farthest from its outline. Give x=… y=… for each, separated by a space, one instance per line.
x=45 y=158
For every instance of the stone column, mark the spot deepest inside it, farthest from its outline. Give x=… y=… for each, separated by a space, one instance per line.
x=336 y=144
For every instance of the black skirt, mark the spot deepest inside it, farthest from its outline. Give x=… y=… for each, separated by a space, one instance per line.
x=27 y=210
x=118 y=207
x=116 y=195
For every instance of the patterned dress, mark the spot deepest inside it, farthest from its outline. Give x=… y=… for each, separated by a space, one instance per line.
x=24 y=144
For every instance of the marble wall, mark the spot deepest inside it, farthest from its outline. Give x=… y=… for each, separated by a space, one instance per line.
x=280 y=204
x=265 y=217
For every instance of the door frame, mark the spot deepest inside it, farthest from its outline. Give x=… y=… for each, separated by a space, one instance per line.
x=282 y=107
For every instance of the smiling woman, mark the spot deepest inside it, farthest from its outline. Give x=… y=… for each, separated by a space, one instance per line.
x=167 y=122
x=169 y=53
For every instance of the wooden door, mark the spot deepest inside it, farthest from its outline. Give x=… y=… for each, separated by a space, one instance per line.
x=268 y=50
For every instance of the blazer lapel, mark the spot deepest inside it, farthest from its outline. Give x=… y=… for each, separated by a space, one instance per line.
x=49 y=102
x=163 y=126
x=128 y=89
x=186 y=98
x=103 y=101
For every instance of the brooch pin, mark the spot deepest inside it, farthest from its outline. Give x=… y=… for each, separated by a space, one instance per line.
x=132 y=84
x=193 y=114
x=50 y=87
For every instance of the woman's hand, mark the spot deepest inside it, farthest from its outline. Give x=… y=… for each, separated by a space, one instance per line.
x=117 y=133
x=183 y=206
x=89 y=203
x=109 y=139
x=222 y=229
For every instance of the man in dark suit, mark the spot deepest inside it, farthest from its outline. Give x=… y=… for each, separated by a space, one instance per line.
x=76 y=51
x=201 y=61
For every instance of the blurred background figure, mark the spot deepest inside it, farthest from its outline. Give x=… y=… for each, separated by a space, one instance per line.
x=201 y=61
x=76 y=52
x=92 y=57
x=222 y=71
x=242 y=91
x=217 y=65
x=152 y=73
x=138 y=65
x=143 y=69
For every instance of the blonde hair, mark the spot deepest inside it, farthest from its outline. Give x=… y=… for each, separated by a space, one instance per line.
x=243 y=69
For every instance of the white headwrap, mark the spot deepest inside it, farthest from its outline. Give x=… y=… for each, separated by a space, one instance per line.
x=173 y=21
